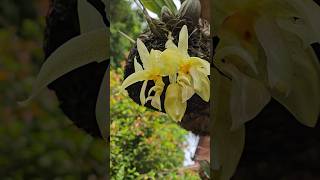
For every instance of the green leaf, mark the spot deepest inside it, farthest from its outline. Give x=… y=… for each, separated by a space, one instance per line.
x=157 y=5
x=227 y=145
x=103 y=104
x=89 y=18
x=151 y=5
x=170 y=4
x=79 y=51
x=205 y=166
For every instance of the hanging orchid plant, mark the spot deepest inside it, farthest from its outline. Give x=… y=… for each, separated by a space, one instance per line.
x=169 y=59
x=188 y=75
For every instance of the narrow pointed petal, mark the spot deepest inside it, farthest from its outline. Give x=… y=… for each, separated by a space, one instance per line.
x=142 y=92
x=201 y=63
x=152 y=90
x=183 y=40
x=133 y=78
x=201 y=84
x=143 y=53
x=156 y=102
x=248 y=96
x=137 y=66
x=187 y=92
x=279 y=62
x=173 y=104
x=149 y=98
x=169 y=43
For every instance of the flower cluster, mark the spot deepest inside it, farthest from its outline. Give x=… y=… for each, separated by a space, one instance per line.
x=187 y=75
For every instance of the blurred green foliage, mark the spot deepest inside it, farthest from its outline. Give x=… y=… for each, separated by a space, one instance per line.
x=126 y=20
x=37 y=141
x=144 y=144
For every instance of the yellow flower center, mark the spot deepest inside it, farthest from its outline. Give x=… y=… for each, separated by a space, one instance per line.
x=185 y=67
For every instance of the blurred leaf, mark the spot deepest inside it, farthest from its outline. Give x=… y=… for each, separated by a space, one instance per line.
x=227 y=145
x=103 y=105
x=89 y=18
x=156 y=6
x=78 y=51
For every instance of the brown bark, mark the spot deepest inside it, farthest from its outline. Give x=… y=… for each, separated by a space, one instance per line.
x=205 y=9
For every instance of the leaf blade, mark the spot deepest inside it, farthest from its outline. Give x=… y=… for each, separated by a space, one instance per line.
x=79 y=51
x=103 y=104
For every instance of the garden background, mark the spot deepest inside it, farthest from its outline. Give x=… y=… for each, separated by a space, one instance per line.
x=39 y=142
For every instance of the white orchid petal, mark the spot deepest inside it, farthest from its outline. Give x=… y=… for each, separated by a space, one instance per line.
x=156 y=102
x=143 y=53
x=137 y=66
x=183 y=40
x=133 y=78
x=300 y=29
x=279 y=62
x=173 y=105
x=248 y=96
x=201 y=84
x=142 y=92
x=202 y=63
x=304 y=99
x=187 y=92
x=311 y=12
x=184 y=79
x=151 y=90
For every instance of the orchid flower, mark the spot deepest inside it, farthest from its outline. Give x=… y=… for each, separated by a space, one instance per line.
x=188 y=75
x=269 y=42
x=153 y=70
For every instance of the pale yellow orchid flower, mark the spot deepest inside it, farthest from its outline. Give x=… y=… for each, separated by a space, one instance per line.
x=188 y=71
x=188 y=75
x=269 y=41
x=152 y=69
